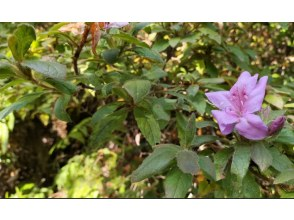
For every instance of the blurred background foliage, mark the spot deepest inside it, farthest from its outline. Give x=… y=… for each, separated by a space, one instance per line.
x=79 y=138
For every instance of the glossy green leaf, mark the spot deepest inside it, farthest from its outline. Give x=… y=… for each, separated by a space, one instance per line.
x=207 y=166
x=177 y=184
x=7 y=70
x=237 y=51
x=21 y=102
x=275 y=99
x=60 y=108
x=62 y=86
x=147 y=125
x=47 y=68
x=157 y=162
x=204 y=139
x=111 y=55
x=137 y=89
x=148 y=53
x=241 y=160
x=160 y=45
x=203 y=124
x=250 y=187
x=130 y=39
x=187 y=161
x=188 y=133
x=192 y=90
x=285 y=176
x=104 y=111
x=221 y=159
x=174 y=41
x=103 y=129
x=21 y=40
x=280 y=161
x=211 y=34
x=198 y=103
x=261 y=156
x=155 y=73
x=286 y=136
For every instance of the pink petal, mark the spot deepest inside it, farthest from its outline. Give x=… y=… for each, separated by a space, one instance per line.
x=245 y=82
x=252 y=127
x=225 y=121
x=116 y=24
x=242 y=80
x=256 y=96
x=220 y=99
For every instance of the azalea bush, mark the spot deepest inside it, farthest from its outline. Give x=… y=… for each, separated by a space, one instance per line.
x=146 y=110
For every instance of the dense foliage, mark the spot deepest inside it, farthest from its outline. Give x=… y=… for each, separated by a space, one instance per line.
x=110 y=110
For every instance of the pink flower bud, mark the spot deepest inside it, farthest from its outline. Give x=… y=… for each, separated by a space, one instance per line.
x=276 y=125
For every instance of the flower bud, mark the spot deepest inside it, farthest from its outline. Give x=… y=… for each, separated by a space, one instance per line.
x=276 y=125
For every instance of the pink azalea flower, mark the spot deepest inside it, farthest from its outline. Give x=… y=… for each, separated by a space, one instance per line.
x=238 y=105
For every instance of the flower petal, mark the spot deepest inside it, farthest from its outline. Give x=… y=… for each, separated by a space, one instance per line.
x=220 y=99
x=252 y=127
x=225 y=121
x=245 y=82
x=116 y=24
x=255 y=98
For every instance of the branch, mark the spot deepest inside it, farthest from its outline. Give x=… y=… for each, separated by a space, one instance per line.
x=79 y=49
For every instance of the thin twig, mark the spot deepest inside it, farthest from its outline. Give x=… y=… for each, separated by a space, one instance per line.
x=79 y=49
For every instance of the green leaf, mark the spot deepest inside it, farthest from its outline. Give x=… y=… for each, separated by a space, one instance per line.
x=62 y=86
x=156 y=162
x=243 y=57
x=23 y=101
x=203 y=124
x=198 y=103
x=104 y=111
x=111 y=55
x=207 y=166
x=103 y=129
x=148 y=53
x=21 y=40
x=221 y=158
x=177 y=184
x=204 y=139
x=211 y=81
x=289 y=105
x=275 y=99
x=174 y=41
x=250 y=187
x=286 y=136
x=187 y=161
x=241 y=160
x=155 y=73
x=60 y=108
x=211 y=34
x=4 y=138
x=261 y=156
x=160 y=45
x=285 y=176
x=130 y=39
x=188 y=134
x=159 y=112
x=147 y=125
x=47 y=68
x=137 y=88
x=280 y=161
x=7 y=70
x=192 y=90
